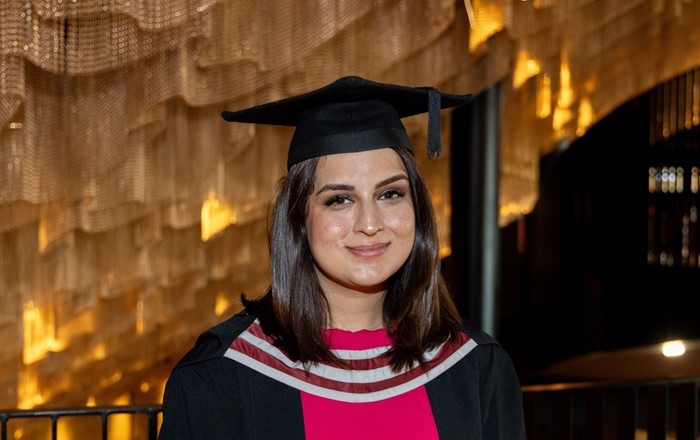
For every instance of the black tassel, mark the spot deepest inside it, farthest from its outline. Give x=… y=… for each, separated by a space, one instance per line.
x=434 y=147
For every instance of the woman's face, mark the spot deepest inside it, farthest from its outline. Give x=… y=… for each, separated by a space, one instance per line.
x=360 y=220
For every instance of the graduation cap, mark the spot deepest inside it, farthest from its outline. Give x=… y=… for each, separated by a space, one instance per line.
x=352 y=114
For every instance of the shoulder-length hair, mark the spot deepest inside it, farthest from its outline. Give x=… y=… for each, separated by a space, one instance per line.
x=418 y=310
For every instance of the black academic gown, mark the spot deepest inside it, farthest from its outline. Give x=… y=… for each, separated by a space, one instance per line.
x=209 y=396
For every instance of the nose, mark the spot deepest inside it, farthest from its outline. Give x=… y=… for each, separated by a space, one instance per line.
x=369 y=219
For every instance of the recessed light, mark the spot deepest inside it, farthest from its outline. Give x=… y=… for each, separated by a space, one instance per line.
x=673 y=348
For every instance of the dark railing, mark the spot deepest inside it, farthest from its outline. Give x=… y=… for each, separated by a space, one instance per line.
x=147 y=415
x=652 y=410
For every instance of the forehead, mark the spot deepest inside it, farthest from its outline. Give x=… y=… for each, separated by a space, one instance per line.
x=365 y=165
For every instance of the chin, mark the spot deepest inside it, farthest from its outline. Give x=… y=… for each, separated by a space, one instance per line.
x=370 y=286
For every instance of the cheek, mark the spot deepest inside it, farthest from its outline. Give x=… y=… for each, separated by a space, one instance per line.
x=403 y=227
x=322 y=230
x=404 y=223
x=333 y=230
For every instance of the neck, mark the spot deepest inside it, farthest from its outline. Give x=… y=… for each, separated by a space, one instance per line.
x=355 y=310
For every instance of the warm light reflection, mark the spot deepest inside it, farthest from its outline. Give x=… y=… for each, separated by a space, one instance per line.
x=544 y=97
x=525 y=68
x=139 y=317
x=488 y=20
x=671 y=179
x=161 y=389
x=215 y=216
x=673 y=348
x=39 y=333
x=110 y=380
x=144 y=387
x=222 y=303
x=83 y=323
x=566 y=93
x=28 y=391
x=561 y=117
x=99 y=352
x=585 y=117
x=664 y=179
x=121 y=425
x=511 y=211
x=651 y=181
x=445 y=251
x=42 y=234
x=470 y=13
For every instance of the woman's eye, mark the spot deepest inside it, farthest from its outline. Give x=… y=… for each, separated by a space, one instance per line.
x=337 y=200
x=392 y=193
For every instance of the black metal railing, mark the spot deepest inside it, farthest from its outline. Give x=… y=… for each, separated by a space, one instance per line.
x=141 y=422
x=653 y=410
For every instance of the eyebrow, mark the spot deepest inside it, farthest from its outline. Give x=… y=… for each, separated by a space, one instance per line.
x=345 y=187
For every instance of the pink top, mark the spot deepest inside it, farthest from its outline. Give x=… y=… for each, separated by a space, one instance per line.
x=404 y=416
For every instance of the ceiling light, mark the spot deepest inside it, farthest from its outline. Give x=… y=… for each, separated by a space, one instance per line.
x=673 y=348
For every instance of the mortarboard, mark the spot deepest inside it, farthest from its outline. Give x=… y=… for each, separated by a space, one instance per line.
x=352 y=114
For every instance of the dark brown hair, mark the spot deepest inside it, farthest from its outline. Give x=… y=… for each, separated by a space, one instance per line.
x=418 y=309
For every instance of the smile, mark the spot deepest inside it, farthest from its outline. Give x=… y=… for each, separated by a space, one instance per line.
x=368 y=251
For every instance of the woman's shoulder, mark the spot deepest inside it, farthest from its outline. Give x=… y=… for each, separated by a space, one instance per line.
x=214 y=342
x=488 y=351
x=477 y=334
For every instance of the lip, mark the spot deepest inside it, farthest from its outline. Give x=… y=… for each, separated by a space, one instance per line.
x=368 y=250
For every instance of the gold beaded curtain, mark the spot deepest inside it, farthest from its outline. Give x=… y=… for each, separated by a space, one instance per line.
x=132 y=217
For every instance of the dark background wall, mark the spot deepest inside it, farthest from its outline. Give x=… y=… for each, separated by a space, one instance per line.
x=574 y=274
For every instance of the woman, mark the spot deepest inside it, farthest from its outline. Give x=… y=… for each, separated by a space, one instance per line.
x=357 y=336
